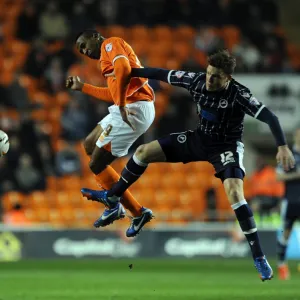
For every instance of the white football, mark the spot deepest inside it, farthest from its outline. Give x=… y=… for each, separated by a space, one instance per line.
x=4 y=143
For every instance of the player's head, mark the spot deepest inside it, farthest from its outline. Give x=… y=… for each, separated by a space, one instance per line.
x=297 y=136
x=88 y=43
x=219 y=70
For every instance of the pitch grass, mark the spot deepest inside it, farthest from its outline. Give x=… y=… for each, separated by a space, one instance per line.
x=183 y=279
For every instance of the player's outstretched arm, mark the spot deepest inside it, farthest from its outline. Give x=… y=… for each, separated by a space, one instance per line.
x=74 y=83
x=284 y=156
x=151 y=73
x=174 y=77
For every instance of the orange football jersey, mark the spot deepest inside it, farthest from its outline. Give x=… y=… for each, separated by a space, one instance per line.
x=112 y=49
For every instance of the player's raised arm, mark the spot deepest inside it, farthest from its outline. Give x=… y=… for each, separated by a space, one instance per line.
x=74 y=83
x=251 y=106
x=177 y=78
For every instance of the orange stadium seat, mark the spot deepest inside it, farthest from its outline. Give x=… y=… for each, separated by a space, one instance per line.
x=202 y=180
x=162 y=33
x=185 y=33
x=9 y=199
x=182 y=51
x=76 y=198
x=177 y=180
x=146 y=196
x=89 y=181
x=31 y=215
x=167 y=197
x=67 y=216
x=37 y=199
x=140 y=48
x=51 y=198
x=62 y=99
x=51 y=182
x=43 y=214
x=139 y=32
x=69 y=183
x=172 y=63
x=117 y=31
x=55 y=218
x=200 y=57
x=62 y=199
x=231 y=35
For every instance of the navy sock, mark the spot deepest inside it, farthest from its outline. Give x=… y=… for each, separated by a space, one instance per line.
x=130 y=174
x=245 y=217
x=281 y=250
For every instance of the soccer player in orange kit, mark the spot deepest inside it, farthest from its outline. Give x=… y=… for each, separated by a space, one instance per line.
x=129 y=117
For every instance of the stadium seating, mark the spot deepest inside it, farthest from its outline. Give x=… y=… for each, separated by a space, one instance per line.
x=181 y=191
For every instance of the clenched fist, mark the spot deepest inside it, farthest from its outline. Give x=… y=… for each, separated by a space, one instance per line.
x=74 y=83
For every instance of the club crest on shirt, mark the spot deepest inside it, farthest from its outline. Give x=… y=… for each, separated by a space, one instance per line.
x=223 y=103
x=181 y=138
x=179 y=74
x=108 y=47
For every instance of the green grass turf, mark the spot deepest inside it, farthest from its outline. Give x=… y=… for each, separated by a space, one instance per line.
x=151 y=279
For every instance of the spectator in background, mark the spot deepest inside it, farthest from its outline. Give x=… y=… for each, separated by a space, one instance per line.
x=28 y=177
x=4 y=96
x=27 y=135
x=266 y=190
x=37 y=60
x=14 y=152
x=274 y=55
x=28 y=23
x=55 y=76
x=80 y=18
x=248 y=56
x=207 y=40
x=53 y=24
x=47 y=158
x=67 y=161
x=17 y=94
x=75 y=122
x=106 y=12
x=7 y=182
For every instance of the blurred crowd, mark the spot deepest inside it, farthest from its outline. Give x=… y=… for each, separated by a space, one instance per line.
x=44 y=122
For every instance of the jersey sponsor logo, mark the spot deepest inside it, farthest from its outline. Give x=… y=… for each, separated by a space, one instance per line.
x=108 y=47
x=254 y=101
x=191 y=74
x=179 y=74
x=223 y=103
x=181 y=138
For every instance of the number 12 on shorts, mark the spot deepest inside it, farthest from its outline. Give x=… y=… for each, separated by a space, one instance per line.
x=227 y=157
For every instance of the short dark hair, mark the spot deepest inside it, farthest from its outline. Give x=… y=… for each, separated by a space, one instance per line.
x=88 y=33
x=222 y=60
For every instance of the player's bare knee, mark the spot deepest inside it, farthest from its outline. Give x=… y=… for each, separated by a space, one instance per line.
x=142 y=153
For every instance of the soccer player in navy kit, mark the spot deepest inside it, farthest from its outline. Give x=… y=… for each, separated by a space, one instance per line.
x=222 y=104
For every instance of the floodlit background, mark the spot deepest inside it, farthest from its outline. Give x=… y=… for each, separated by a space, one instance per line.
x=42 y=212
